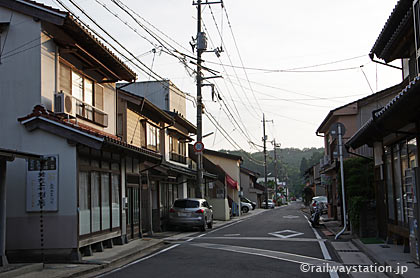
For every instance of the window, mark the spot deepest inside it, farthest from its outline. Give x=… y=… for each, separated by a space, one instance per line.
x=99 y=192
x=77 y=85
x=116 y=200
x=89 y=94
x=153 y=137
x=177 y=150
x=84 y=211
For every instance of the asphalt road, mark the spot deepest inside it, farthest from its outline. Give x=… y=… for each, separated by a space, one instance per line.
x=271 y=244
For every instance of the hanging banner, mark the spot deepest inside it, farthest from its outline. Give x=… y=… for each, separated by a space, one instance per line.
x=42 y=184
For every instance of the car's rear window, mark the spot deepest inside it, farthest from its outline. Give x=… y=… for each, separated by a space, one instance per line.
x=186 y=204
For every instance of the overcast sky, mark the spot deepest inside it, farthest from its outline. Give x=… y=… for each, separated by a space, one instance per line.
x=270 y=36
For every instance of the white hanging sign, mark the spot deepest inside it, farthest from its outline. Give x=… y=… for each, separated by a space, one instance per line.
x=42 y=184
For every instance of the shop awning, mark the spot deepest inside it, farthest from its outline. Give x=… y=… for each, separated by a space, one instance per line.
x=232 y=183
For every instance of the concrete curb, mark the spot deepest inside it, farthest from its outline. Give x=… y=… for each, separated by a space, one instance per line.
x=21 y=270
x=114 y=262
x=374 y=259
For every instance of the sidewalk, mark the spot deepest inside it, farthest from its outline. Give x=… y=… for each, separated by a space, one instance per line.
x=114 y=257
x=379 y=254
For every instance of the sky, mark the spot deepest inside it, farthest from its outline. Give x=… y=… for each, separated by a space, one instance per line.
x=292 y=61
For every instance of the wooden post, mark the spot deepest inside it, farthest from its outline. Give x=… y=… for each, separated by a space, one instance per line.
x=3 y=258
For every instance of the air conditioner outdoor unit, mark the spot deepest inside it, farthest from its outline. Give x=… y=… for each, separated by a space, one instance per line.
x=64 y=103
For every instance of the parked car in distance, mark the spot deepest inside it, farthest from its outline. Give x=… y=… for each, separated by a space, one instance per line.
x=323 y=202
x=246 y=200
x=270 y=204
x=245 y=207
x=191 y=212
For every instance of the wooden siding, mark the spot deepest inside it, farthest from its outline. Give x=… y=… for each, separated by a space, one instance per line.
x=135 y=129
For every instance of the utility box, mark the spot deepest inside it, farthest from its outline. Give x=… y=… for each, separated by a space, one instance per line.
x=411 y=181
x=202 y=41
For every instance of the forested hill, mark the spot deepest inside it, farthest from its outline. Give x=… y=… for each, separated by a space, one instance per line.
x=292 y=163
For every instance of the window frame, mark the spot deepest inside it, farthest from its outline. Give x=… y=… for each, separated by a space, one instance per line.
x=90 y=167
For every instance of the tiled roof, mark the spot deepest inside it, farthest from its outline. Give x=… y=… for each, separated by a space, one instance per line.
x=39 y=111
x=76 y=29
x=396 y=22
x=399 y=111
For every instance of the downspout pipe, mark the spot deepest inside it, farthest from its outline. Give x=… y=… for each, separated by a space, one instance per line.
x=343 y=201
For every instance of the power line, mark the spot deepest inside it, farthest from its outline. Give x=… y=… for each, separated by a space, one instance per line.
x=296 y=69
x=239 y=54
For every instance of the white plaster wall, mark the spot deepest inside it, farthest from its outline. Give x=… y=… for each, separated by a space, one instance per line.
x=61 y=226
x=20 y=80
x=20 y=91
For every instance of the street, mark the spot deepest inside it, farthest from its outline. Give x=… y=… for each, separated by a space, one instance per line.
x=273 y=243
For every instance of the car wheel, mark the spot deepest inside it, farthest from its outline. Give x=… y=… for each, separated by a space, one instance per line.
x=245 y=209
x=203 y=227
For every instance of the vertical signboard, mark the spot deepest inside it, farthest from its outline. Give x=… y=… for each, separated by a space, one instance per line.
x=42 y=184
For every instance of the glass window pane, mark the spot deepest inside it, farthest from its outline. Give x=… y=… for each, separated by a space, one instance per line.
x=106 y=223
x=84 y=210
x=88 y=92
x=115 y=200
x=96 y=213
x=65 y=85
x=77 y=85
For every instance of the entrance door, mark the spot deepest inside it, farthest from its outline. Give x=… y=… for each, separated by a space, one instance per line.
x=133 y=219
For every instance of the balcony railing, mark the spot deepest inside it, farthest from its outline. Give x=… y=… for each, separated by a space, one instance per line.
x=177 y=158
x=91 y=113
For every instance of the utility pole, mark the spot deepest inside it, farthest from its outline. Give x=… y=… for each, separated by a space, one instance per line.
x=201 y=46
x=265 y=161
x=275 y=165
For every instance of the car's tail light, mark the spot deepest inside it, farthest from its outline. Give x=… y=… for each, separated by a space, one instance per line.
x=314 y=204
x=172 y=210
x=199 y=211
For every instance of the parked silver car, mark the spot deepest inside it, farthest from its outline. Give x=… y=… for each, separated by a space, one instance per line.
x=245 y=207
x=191 y=212
x=270 y=204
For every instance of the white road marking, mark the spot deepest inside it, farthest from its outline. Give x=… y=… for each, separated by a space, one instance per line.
x=284 y=256
x=323 y=247
x=291 y=216
x=263 y=238
x=232 y=235
x=137 y=261
x=289 y=232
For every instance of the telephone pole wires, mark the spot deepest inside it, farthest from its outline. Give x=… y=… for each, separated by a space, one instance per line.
x=201 y=46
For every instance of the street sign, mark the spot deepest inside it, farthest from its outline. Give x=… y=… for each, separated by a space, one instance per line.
x=334 y=129
x=198 y=147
